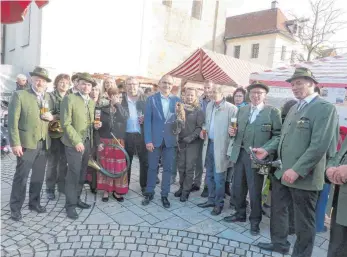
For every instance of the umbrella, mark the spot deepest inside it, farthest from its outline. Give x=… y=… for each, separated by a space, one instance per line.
x=15 y=11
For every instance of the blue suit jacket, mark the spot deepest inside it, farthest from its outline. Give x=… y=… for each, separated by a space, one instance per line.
x=157 y=128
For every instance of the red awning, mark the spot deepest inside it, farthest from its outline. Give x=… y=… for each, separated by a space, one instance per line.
x=15 y=11
x=205 y=65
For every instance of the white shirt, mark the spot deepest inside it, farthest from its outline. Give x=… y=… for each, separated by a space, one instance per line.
x=85 y=98
x=255 y=110
x=306 y=100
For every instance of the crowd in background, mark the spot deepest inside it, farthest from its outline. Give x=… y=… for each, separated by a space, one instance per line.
x=66 y=129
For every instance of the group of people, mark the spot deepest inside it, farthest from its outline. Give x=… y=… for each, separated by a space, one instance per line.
x=67 y=127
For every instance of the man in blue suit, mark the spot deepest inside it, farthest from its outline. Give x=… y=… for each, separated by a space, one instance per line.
x=159 y=139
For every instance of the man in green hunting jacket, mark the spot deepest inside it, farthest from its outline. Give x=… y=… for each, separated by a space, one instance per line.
x=77 y=120
x=337 y=174
x=28 y=133
x=307 y=133
x=259 y=125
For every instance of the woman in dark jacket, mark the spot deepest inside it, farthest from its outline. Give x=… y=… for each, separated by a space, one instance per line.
x=113 y=118
x=188 y=142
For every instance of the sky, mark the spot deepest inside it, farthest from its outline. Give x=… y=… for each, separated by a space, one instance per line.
x=299 y=7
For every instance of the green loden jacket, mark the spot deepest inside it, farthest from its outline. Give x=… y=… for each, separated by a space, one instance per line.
x=340 y=159
x=76 y=119
x=26 y=128
x=263 y=132
x=307 y=135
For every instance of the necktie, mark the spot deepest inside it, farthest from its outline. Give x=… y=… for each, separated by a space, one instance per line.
x=252 y=112
x=301 y=104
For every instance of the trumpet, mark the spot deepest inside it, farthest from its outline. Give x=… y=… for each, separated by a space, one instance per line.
x=55 y=126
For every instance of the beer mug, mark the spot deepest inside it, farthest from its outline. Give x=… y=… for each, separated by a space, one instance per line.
x=97 y=116
x=44 y=107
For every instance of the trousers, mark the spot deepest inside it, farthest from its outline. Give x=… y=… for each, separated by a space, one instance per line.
x=35 y=160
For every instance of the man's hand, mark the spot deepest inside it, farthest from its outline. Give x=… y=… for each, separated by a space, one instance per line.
x=203 y=134
x=330 y=174
x=97 y=125
x=290 y=176
x=100 y=147
x=141 y=119
x=79 y=147
x=17 y=151
x=150 y=147
x=232 y=131
x=340 y=176
x=261 y=153
x=47 y=116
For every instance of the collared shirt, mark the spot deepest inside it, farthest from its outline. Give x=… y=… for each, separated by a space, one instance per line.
x=165 y=102
x=133 y=125
x=215 y=108
x=307 y=100
x=85 y=97
x=255 y=110
x=203 y=103
x=38 y=95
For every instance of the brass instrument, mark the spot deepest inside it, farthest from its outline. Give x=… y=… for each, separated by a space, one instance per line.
x=265 y=165
x=94 y=164
x=55 y=126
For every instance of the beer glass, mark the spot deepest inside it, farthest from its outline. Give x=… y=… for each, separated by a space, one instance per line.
x=233 y=123
x=204 y=132
x=44 y=107
x=97 y=116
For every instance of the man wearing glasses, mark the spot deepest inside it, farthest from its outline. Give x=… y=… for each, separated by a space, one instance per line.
x=259 y=125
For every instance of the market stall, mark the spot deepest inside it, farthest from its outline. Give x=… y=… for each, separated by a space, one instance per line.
x=330 y=72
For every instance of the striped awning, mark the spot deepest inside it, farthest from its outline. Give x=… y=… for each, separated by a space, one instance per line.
x=329 y=72
x=205 y=65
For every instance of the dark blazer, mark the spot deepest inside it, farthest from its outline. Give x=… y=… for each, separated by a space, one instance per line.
x=140 y=105
x=157 y=128
x=120 y=117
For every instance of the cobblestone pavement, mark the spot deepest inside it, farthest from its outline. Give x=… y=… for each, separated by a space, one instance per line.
x=128 y=228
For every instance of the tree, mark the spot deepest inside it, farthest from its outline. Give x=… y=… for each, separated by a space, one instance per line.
x=324 y=21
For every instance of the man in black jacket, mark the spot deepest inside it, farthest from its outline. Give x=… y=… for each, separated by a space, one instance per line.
x=134 y=103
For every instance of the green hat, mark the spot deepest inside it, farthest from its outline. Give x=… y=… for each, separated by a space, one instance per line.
x=87 y=77
x=75 y=76
x=258 y=84
x=302 y=72
x=41 y=72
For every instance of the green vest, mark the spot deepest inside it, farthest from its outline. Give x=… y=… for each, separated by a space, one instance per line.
x=26 y=128
x=263 y=132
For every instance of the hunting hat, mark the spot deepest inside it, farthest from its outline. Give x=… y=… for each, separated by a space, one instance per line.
x=41 y=72
x=75 y=76
x=87 y=77
x=258 y=84
x=302 y=72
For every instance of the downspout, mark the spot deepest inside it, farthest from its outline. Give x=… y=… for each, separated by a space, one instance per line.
x=215 y=26
x=3 y=46
x=225 y=45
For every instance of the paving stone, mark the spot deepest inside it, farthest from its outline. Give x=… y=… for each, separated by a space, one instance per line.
x=141 y=240
x=130 y=240
x=193 y=248
x=187 y=254
x=76 y=245
x=175 y=252
x=65 y=246
x=203 y=250
x=153 y=249
x=119 y=239
x=135 y=254
x=142 y=248
x=131 y=247
x=151 y=242
x=164 y=250
x=68 y=253
x=182 y=246
x=95 y=245
x=100 y=252
x=215 y=252
x=120 y=246
x=112 y=252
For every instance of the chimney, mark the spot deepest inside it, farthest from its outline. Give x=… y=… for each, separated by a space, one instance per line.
x=274 y=4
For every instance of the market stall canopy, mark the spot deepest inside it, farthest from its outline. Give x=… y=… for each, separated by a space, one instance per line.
x=15 y=11
x=329 y=72
x=205 y=65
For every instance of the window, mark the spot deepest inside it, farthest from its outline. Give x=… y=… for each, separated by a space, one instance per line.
x=167 y=3
x=292 y=56
x=197 y=9
x=255 y=51
x=237 y=50
x=283 y=53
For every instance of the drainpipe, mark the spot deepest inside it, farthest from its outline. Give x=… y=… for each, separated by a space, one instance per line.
x=225 y=45
x=215 y=26
x=3 y=44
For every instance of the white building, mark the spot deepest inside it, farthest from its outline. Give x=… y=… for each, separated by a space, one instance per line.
x=265 y=37
x=137 y=37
